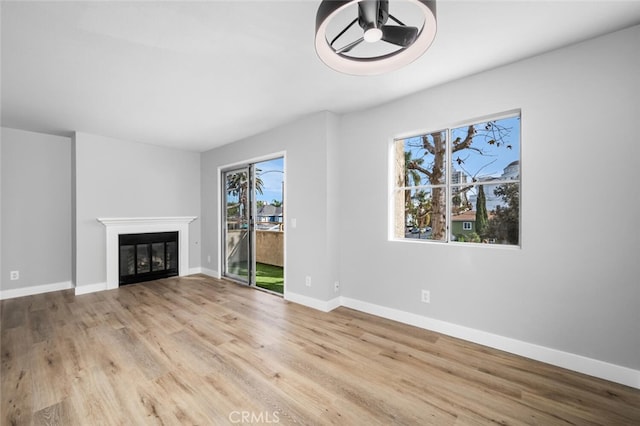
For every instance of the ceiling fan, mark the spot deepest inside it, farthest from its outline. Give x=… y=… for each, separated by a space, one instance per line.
x=380 y=42
x=372 y=18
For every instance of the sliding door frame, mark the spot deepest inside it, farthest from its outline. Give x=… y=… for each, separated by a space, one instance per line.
x=222 y=215
x=245 y=218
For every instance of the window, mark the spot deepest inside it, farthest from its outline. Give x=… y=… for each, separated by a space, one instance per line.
x=459 y=184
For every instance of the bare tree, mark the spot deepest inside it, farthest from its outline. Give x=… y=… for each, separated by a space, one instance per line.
x=434 y=144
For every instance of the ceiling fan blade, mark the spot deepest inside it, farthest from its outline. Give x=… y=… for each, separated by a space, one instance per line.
x=400 y=36
x=368 y=11
x=350 y=46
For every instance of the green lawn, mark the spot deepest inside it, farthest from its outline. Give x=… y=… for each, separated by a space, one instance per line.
x=267 y=276
x=270 y=277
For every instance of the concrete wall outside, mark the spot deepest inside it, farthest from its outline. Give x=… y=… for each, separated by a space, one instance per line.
x=270 y=247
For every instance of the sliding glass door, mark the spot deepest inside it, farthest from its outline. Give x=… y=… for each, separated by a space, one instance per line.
x=237 y=225
x=253 y=224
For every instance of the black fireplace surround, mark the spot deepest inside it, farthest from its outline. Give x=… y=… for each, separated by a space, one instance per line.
x=146 y=257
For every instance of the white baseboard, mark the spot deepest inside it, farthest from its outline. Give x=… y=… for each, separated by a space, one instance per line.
x=578 y=363
x=333 y=303
x=90 y=288
x=210 y=272
x=36 y=289
x=324 y=306
x=193 y=271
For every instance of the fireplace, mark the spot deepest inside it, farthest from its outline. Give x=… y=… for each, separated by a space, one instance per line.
x=114 y=227
x=147 y=256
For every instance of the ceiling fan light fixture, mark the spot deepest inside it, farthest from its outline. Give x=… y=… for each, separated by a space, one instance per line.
x=373 y=65
x=372 y=35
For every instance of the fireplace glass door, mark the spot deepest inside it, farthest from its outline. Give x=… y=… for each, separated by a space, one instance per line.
x=148 y=256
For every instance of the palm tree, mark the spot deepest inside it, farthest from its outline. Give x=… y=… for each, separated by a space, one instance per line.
x=237 y=185
x=411 y=175
x=410 y=172
x=422 y=210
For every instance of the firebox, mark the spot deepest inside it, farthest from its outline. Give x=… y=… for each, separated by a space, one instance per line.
x=149 y=256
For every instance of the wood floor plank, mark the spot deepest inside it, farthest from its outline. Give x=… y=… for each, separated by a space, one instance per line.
x=15 y=376
x=196 y=350
x=53 y=415
x=14 y=314
x=90 y=399
x=46 y=367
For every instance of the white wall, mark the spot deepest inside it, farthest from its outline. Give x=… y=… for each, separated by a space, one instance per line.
x=306 y=144
x=36 y=210
x=1 y=214
x=573 y=286
x=117 y=178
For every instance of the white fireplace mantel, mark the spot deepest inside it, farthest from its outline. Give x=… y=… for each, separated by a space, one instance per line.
x=115 y=226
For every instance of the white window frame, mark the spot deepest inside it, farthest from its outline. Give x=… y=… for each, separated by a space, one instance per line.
x=448 y=183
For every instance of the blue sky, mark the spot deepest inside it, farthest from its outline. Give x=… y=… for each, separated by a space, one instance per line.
x=490 y=152
x=494 y=158
x=272 y=174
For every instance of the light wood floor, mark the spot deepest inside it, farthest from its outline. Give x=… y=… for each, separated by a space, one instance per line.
x=196 y=350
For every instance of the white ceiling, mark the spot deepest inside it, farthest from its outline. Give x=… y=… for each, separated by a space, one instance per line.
x=196 y=75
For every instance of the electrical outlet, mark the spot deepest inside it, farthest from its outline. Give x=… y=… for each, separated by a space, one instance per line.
x=426 y=296
x=336 y=286
x=307 y=281
x=14 y=275
x=209 y=259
